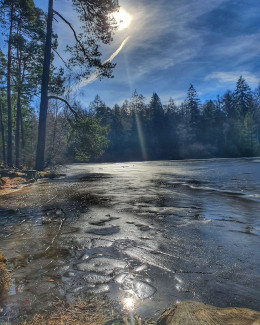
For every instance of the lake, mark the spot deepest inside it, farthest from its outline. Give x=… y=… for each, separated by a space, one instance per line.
x=147 y=234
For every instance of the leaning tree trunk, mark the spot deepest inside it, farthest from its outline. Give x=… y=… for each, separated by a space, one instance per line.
x=44 y=92
x=9 y=104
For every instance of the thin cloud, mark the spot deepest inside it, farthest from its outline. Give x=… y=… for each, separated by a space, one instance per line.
x=232 y=77
x=95 y=74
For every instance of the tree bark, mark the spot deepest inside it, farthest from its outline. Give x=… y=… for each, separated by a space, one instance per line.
x=18 y=110
x=9 y=104
x=2 y=131
x=23 y=140
x=17 y=130
x=44 y=92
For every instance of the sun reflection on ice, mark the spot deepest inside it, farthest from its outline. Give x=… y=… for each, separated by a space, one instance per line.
x=129 y=303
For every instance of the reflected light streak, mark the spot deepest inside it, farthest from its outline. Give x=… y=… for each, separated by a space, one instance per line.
x=141 y=136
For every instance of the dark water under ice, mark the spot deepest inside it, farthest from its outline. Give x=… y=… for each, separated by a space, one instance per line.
x=153 y=232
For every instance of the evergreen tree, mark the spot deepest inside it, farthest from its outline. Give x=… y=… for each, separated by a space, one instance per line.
x=97 y=27
x=116 y=135
x=21 y=20
x=172 y=120
x=243 y=98
x=192 y=114
x=155 y=126
x=137 y=141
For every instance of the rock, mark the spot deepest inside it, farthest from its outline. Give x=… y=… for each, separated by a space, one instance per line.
x=54 y=215
x=196 y=313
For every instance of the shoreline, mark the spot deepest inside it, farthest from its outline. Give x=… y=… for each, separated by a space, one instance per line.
x=95 y=311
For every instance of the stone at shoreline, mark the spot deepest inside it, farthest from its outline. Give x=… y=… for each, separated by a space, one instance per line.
x=196 y=313
x=49 y=174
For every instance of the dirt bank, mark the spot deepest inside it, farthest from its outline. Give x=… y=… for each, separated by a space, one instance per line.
x=196 y=313
x=13 y=180
x=4 y=275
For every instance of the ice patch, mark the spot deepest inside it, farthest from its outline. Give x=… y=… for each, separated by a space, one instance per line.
x=102 y=264
x=143 y=290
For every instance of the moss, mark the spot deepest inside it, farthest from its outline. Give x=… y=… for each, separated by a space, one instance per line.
x=5 y=279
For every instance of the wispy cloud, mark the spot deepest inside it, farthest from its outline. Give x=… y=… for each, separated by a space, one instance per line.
x=232 y=77
x=174 y=43
x=161 y=39
x=239 y=48
x=95 y=74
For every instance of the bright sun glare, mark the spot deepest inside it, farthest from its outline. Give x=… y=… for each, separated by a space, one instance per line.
x=128 y=303
x=123 y=19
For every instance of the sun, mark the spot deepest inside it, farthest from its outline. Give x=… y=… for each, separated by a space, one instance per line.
x=123 y=19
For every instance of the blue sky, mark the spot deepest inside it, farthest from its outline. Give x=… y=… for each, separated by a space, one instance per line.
x=173 y=43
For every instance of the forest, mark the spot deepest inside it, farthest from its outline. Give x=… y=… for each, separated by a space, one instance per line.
x=139 y=129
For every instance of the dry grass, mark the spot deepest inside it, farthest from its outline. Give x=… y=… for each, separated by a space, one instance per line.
x=92 y=311
x=11 y=184
x=2 y=258
x=5 y=279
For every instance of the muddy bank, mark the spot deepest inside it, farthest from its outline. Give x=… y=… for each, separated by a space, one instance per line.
x=14 y=180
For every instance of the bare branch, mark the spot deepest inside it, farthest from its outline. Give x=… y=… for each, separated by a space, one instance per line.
x=73 y=30
x=60 y=57
x=64 y=101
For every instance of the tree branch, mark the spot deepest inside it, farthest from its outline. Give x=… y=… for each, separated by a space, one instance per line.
x=60 y=57
x=64 y=101
x=73 y=30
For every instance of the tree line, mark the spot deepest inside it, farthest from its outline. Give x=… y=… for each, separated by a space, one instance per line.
x=226 y=127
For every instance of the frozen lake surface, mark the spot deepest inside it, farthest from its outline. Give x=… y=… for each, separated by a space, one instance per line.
x=154 y=232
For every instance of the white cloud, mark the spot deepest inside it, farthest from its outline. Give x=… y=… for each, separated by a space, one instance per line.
x=232 y=77
x=239 y=48
x=151 y=23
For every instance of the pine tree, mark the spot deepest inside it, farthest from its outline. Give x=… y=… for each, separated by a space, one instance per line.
x=155 y=127
x=97 y=26
x=243 y=98
x=192 y=113
x=138 y=137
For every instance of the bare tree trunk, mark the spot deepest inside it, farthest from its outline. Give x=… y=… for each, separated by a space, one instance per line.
x=18 y=111
x=2 y=131
x=22 y=136
x=9 y=104
x=17 y=130
x=44 y=92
